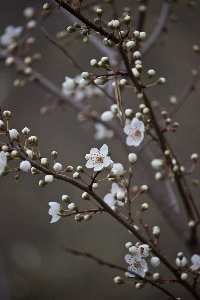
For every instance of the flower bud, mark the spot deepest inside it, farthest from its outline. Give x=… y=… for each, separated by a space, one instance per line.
x=26 y=132
x=137 y=35
x=139 y=285
x=156 y=231
x=192 y=224
x=79 y=217
x=94 y=63
x=128 y=245
x=144 y=206
x=118 y=280
x=181 y=262
x=2 y=125
x=120 y=196
x=85 y=75
x=72 y=207
x=71 y=29
x=87 y=217
x=69 y=169
x=156 y=276
x=76 y=175
x=161 y=80
x=46 y=6
x=9 y=61
x=14 y=135
x=44 y=162
x=194 y=157
x=107 y=116
x=54 y=154
x=95 y=185
x=184 y=276
x=48 y=178
x=42 y=183
x=85 y=196
x=114 y=108
x=99 y=12
x=25 y=166
x=155 y=261
x=151 y=73
x=127 y=20
x=137 y=55
x=142 y=35
x=132 y=157
x=57 y=167
x=66 y=199
x=143 y=189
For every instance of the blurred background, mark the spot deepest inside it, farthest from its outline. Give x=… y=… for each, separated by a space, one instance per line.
x=33 y=262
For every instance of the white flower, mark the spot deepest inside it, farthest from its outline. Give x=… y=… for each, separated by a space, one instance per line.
x=14 y=134
x=57 y=167
x=111 y=198
x=69 y=84
x=3 y=162
x=120 y=169
x=11 y=33
x=136 y=265
x=54 y=210
x=25 y=166
x=144 y=250
x=48 y=178
x=196 y=262
x=135 y=132
x=99 y=159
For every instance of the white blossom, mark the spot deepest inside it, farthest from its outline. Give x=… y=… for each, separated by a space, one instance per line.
x=99 y=159
x=144 y=250
x=68 y=85
x=135 y=132
x=119 y=167
x=25 y=166
x=136 y=265
x=111 y=198
x=3 y=162
x=54 y=211
x=196 y=262
x=11 y=33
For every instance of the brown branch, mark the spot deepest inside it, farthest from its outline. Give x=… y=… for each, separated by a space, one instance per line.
x=116 y=216
x=113 y=266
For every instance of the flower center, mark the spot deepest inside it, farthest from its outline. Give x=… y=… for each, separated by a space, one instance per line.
x=135 y=133
x=97 y=158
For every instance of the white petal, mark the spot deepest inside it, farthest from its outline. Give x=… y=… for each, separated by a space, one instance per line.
x=104 y=150
x=108 y=199
x=99 y=167
x=127 y=128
